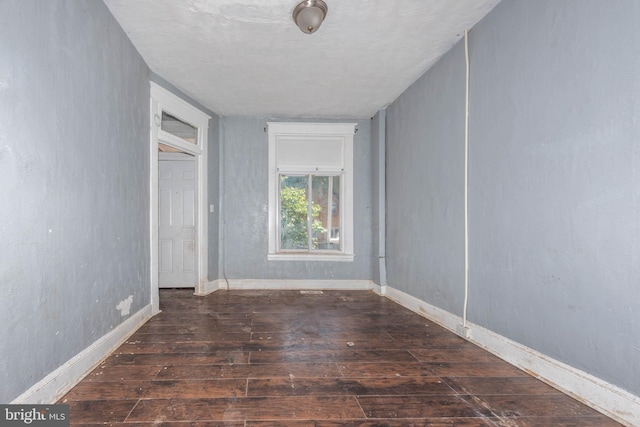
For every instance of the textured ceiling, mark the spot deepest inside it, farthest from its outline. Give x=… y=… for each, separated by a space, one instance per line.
x=247 y=57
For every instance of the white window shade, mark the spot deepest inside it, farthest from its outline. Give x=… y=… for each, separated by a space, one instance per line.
x=299 y=153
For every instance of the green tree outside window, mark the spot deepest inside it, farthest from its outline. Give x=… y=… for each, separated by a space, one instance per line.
x=294 y=212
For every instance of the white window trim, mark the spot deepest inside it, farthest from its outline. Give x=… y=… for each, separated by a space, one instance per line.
x=299 y=130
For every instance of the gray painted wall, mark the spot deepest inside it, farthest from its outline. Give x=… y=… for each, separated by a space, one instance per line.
x=213 y=183
x=245 y=204
x=554 y=182
x=425 y=181
x=214 y=196
x=378 y=133
x=74 y=179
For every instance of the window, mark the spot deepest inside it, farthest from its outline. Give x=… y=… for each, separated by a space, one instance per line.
x=179 y=128
x=311 y=191
x=309 y=215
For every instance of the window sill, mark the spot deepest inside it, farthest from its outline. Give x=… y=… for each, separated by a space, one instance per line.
x=311 y=257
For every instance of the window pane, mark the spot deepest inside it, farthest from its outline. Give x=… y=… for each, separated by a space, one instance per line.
x=177 y=127
x=325 y=194
x=294 y=210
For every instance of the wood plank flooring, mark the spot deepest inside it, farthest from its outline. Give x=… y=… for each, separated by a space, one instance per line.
x=282 y=358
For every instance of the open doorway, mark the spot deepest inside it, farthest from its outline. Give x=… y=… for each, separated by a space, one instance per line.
x=178 y=150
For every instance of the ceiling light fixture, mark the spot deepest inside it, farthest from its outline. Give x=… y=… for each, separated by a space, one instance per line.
x=309 y=14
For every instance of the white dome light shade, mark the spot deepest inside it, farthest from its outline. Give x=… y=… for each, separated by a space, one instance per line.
x=309 y=14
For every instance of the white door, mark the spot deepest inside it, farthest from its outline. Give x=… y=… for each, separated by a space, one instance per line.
x=177 y=222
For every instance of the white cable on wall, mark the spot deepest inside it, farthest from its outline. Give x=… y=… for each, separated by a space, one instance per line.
x=466 y=183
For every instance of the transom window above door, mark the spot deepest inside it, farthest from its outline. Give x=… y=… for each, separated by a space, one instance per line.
x=311 y=191
x=179 y=128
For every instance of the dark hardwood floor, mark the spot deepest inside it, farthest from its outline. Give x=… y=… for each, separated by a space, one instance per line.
x=282 y=358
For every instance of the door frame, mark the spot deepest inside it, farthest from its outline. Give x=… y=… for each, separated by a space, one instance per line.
x=163 y=100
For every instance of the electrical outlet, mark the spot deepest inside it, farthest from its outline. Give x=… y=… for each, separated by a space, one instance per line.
x=463 y=331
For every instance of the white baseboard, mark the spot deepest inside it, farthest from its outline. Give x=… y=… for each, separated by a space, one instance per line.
x=602 y=396
x=299 y=284
x=438 y=315
x=59 y=382
x=246 y=284
x=210 y=287
x=379 y=290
